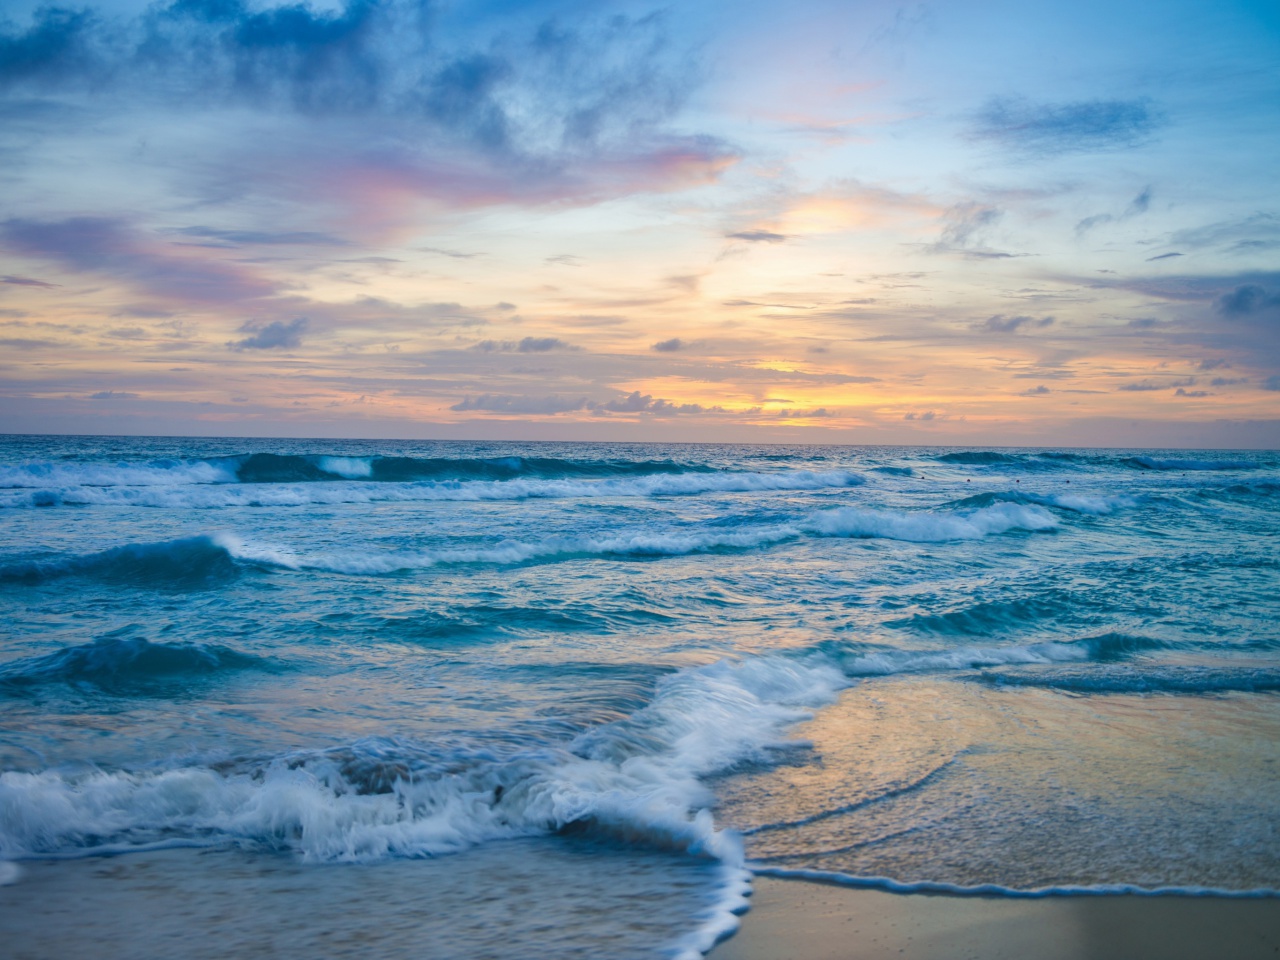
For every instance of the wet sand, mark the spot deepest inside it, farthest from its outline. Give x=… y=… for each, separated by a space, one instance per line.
x=803 y=920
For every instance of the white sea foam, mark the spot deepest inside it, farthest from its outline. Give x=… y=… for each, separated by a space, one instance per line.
x=353 y=468
x=931 y=526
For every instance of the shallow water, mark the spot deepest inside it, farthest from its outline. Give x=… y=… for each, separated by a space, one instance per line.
x=1019 y=669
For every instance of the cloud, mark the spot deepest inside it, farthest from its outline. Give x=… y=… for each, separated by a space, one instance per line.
x=236 y=238
x=1272 y=382
x=1246 y=300
x=668 y=346
x=593 y=98
x=1137 y=206
x=275 y=335
x=110 y=247
x=503 y=403
x=1058 y=128
x=1039 y=391
x=112 y=395
x=1164 y=256
x=1191 y=393
x=927 y=415
x=634 y=403
x=820 y=413
x=758 y=236
x=1146 y=386
x=26 y=282
x=526 y=345
x=962 y=227
x=1253 y=234
x=1002 y=324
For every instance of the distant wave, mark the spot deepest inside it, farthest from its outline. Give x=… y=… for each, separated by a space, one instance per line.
x=266 y=468
x=125 y=665
x=977 y=457
x=1151 y=463
x=1040 y=460
x=293 y=494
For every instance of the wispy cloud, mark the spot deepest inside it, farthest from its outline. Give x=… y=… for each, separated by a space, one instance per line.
x=111 y=248
x=758 y=236
x=1003 y=324
x=964 y=228
x=26 y=282
x=524 y=345
x=1057 y=128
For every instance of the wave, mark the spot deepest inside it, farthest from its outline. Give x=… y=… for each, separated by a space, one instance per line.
x=282 y=494
x=124 y=665
x=1074 y=503
x=1151 y=463
x=930 y=526
x=850 y=522
x=997 y=890
x=213 y=559
x=186 y=564
x=1147 y=679
x=639 y=778
x=992 y=616
x=857 y=661
x=153 y=473
x=267 y=468
x=977 y=457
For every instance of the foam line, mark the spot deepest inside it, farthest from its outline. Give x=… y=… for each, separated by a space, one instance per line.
x=996 y=890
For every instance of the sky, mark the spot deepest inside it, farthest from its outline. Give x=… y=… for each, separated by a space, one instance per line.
x=1051 y=224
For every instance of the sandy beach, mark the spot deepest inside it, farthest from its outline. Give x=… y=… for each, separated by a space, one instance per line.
x=802 y=920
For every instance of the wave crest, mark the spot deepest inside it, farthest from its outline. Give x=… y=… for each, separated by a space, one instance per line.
x=125 y=665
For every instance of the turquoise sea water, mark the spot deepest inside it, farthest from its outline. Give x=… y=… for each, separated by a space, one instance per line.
x=570 y=695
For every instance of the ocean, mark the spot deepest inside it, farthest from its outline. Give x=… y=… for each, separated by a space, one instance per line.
x=463 y=700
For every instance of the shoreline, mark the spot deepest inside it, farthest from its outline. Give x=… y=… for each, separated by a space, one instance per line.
x=809 y=919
